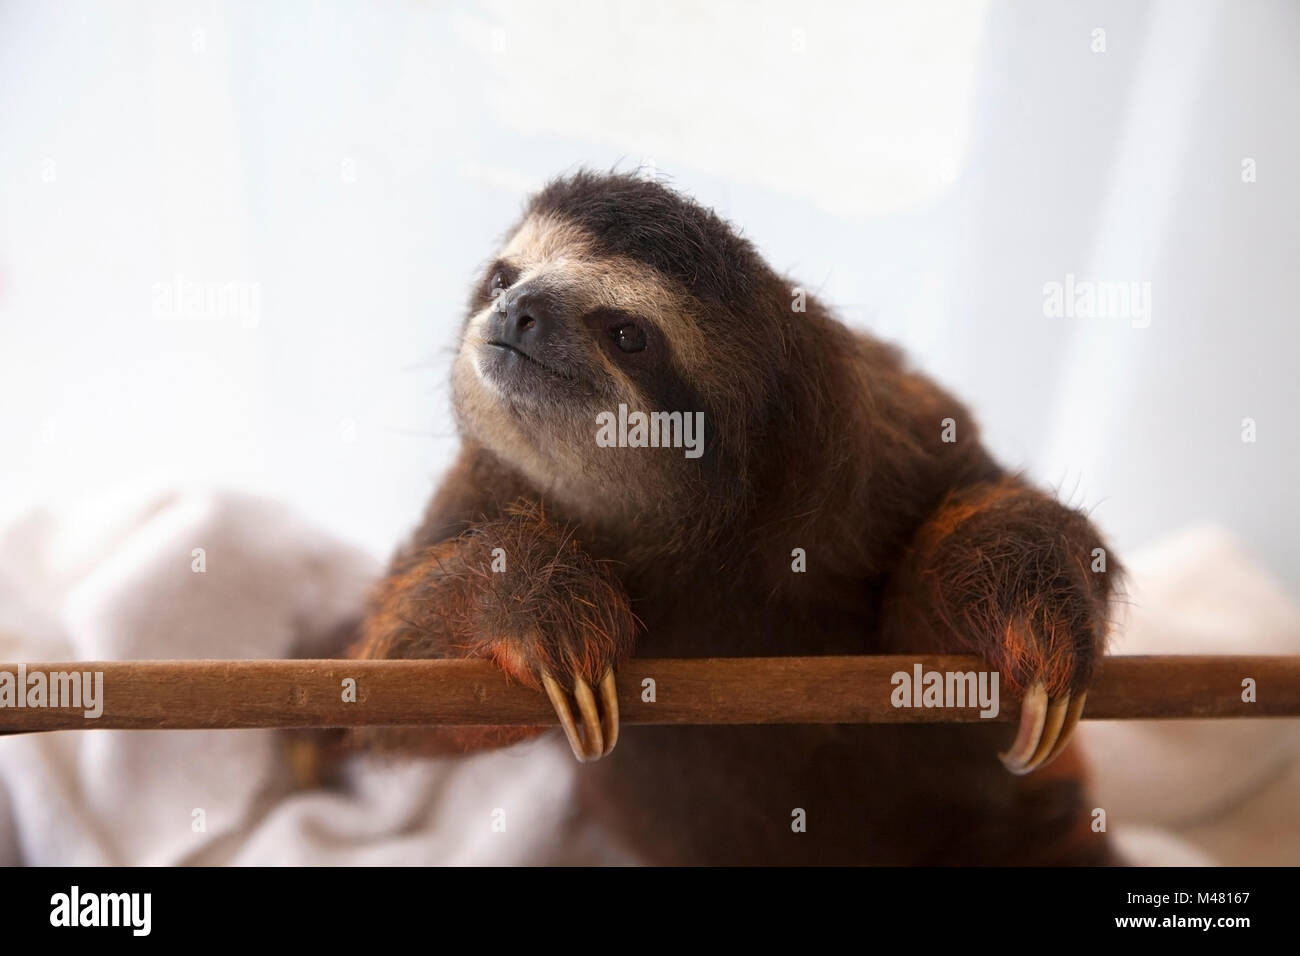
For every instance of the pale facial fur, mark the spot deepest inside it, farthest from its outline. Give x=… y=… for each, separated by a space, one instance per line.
x=553 y=442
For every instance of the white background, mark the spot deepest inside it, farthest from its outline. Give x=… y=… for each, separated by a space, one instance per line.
x=925 y=167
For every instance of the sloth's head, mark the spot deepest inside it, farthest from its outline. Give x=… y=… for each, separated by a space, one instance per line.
x=616 y=296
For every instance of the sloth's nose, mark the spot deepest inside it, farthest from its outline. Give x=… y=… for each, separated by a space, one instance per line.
x=527 y=320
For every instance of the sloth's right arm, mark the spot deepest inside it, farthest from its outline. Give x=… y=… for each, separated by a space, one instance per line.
x=520 y=591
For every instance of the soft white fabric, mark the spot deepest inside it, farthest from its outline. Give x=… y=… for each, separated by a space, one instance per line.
x=117 y=582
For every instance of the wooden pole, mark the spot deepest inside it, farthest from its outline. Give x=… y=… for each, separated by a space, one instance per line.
x=191 y=695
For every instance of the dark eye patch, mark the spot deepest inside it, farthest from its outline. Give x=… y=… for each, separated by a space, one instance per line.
x=500 y=276
x=650 y=365
x=629 y=337
x=624 y=335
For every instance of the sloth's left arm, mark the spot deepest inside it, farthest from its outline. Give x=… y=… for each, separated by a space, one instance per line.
x=1004 y=571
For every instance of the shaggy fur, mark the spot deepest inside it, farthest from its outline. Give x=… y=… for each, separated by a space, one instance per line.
x=817 y=438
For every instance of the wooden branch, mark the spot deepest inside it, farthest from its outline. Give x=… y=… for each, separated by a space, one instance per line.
x=178 y=695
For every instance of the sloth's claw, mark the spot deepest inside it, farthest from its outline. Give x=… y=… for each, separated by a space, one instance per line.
x=599 y=732
x=1067 y=730
x=1033 y=714
x=609 y=698
x=584 y=750
x=595 y=736
x=1051 y=731
x=1046 y=726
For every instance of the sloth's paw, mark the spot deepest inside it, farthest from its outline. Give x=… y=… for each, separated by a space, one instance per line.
x=1050 y=653
x=558 y=620
x=577 y=673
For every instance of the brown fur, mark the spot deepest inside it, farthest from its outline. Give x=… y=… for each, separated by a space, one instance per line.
x=818 y=438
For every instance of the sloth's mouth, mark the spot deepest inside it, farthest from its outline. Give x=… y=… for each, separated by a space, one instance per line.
x=513 y=356
x=510 y=348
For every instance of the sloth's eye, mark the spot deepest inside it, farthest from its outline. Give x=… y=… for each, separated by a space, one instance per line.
x=629 y=337
x=497 y=284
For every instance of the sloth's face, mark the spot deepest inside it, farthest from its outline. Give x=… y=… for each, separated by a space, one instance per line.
x=558 y=339
x=554 y=322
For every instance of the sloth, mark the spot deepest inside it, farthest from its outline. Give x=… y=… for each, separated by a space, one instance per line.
x=556 y=555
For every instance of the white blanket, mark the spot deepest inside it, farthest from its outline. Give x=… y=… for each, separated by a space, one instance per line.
x=116 y=580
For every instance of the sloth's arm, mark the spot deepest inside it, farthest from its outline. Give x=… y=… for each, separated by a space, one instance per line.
x=518 y=590
x=1004 y=571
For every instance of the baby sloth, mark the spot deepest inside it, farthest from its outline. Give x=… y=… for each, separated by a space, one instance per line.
x=555 y=551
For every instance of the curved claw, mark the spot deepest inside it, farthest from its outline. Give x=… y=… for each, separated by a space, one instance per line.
x=561 y=705
x=1033 y=715
x=1071 y=721
x=1051 y=731
x=1045 y=729
x=609 y=698
x=599 y=732
x=590 y=719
